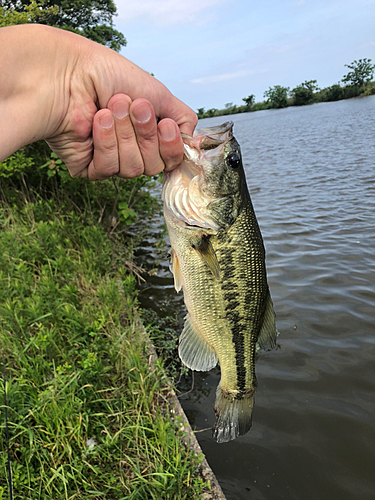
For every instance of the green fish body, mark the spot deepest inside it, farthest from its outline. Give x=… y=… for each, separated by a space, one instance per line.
x=218 y=259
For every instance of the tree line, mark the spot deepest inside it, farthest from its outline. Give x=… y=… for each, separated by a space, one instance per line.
x=356 y=82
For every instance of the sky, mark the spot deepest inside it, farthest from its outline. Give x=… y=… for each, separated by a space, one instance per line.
x=213 y=52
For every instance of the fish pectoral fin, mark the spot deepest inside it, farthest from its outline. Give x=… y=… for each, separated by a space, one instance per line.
x=268 y=333
x=207 y=252
x=175 y=268
x=194 y=351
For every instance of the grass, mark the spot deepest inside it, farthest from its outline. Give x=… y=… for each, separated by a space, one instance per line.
x=88 y=416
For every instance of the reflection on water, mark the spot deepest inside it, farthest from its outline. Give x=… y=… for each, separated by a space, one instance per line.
x=310 y=172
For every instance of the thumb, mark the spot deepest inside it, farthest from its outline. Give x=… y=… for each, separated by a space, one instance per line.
x=169 y=106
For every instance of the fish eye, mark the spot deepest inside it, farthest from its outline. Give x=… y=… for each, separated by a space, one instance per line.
x=233 y=160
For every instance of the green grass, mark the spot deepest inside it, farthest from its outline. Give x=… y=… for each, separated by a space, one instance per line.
x=77 y=370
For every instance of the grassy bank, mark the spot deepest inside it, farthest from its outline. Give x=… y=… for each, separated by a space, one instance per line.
x=88 y=416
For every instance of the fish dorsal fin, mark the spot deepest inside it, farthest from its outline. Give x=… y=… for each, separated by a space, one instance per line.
x=194 y=352
x=268 y=333
x=207 y=252
x=175 y=268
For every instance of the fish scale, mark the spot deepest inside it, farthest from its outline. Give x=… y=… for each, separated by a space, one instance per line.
x=218 y=258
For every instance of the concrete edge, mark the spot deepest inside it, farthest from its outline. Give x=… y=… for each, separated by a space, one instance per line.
x=216 y=493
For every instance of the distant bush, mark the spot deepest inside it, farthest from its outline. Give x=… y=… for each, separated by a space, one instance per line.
x=304 y=93
x=258 y=106
x=370 y=89
x=277 y=96
x=333 y=93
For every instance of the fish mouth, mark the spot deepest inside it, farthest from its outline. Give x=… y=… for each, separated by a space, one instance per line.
x=185 y=195
x=206 y=139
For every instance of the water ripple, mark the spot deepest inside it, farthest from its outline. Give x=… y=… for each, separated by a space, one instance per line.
x=310 y=172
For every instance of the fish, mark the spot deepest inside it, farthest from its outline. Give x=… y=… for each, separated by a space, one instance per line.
x=218 y=260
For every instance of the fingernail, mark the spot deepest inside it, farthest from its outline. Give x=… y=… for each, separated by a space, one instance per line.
x=167 y=131
x=121 y=109
x=106 y=121
x=142 y=112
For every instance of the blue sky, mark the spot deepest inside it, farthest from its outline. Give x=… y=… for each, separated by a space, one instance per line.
x=211 y=52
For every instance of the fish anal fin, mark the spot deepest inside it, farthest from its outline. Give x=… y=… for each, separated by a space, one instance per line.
x=194 y=351
x=207 y=252
x=268 y=333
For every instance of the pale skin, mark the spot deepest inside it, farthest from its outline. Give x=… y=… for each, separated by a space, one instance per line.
x=97 y=110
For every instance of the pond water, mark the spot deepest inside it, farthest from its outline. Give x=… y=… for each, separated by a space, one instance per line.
x=311 y=175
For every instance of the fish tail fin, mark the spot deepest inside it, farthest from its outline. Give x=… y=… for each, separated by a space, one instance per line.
x=233 y=415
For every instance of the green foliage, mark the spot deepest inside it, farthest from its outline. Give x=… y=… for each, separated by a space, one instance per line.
x=334 y=92
x=370 y=90
x=126 y=214
x=15 y=164
x=92 y=19
x=88 y=416
x=200 y=112
x=304 y=93
x=162 y=330
x=12 y=13
x=362 y=72
x=249 y=100
x=259 y=106
x=115 y=201
x=337 y=92
x=277 y=96
x=56 y=167
x=230 y=109
x=210 y=112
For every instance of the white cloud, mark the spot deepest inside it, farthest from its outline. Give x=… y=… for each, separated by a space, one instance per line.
x=226 y=76
x=164 y=12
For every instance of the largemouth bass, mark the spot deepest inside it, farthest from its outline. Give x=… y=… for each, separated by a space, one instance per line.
x=218 y=259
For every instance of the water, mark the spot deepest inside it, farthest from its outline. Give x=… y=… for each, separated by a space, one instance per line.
x=311 y=176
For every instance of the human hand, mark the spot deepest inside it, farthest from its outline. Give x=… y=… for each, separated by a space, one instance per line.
x=128 y=142
x=97 y=110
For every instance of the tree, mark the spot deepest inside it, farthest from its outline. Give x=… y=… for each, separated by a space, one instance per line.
x=230 y=108
x=90 y=18
x=362 y=72
x=200 y=112
x=30 y=13
x=249 y=101
x=335 y=92
x=304 y=93
x=277 y=96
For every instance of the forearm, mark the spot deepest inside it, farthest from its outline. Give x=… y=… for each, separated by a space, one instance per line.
x=32 y=93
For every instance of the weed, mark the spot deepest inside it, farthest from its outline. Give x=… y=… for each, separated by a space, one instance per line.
x=88 y=417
